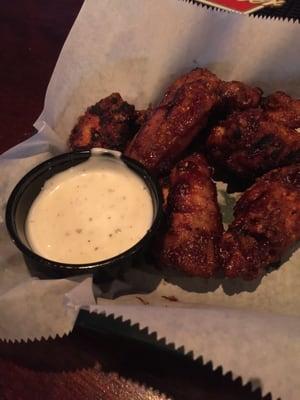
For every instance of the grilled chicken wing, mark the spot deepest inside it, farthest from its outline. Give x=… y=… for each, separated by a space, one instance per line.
x=266 y=223
x=110 y=123
x=284 y=109
x=248 y=144
x=193 y=228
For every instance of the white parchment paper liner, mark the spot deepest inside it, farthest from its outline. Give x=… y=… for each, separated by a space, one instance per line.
x=136 y=48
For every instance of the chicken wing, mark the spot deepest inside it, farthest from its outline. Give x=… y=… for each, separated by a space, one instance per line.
x=190 y=242
x=200 y=75
x=237 y=95
x=284 y=109
x=110 y=123
x=173 y=125
x=248 y=143
x=266 y=223
x=183 y=113
x=233 y=95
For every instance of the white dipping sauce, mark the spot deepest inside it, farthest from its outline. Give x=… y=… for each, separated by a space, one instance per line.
x=90 y=212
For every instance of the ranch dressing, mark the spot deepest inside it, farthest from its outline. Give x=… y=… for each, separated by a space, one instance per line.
x=90 y=212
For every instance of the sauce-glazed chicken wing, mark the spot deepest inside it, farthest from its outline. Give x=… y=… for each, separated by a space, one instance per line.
x=248 y=143
x=237 y=95
x=183 y=113
x=266 y=223
x=284 y=109
x=200 y=75
x=190 y=242
x=110 y=123
x=173 y=125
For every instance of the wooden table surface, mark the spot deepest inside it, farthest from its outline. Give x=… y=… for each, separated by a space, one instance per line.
x=32 y=34
x=83 y=365
x=87 y=365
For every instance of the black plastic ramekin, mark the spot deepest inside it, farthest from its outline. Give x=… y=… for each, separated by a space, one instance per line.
x=29 y=187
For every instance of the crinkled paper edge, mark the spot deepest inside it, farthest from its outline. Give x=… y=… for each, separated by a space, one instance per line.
x=215 y=8
x=162 y=341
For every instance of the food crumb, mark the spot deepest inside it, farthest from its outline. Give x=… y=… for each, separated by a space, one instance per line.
x=145 y=302
x=170 y=298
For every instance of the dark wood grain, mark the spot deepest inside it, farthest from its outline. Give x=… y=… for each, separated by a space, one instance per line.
x=86 y=365
x=32 y=34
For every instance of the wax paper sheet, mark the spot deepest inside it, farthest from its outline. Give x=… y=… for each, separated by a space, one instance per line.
x=136 y=48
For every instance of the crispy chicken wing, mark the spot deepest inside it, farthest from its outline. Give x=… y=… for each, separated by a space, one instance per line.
x=110 y=123
x=266 y=223
x=282 y=108
x=248 y=144
x=193 y=228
